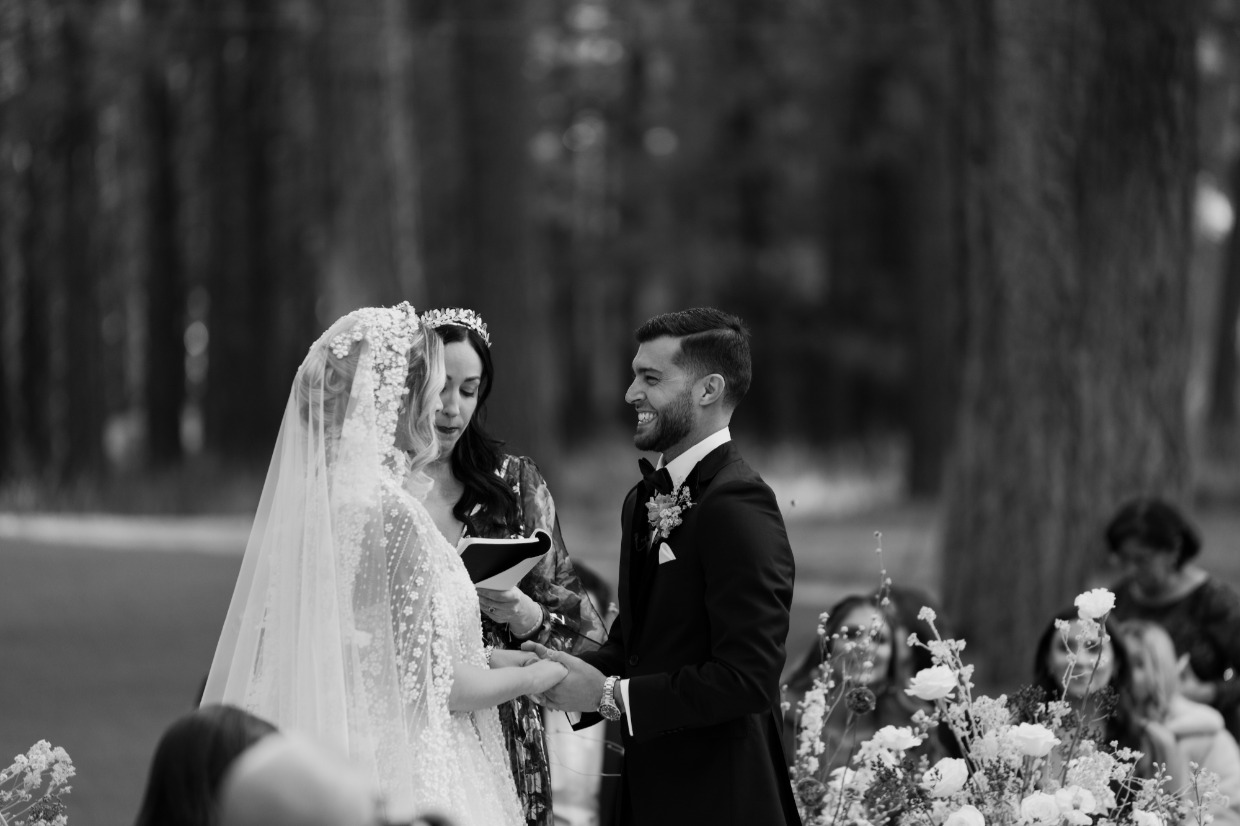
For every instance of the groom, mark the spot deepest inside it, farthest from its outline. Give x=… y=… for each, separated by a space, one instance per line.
x=692 y=665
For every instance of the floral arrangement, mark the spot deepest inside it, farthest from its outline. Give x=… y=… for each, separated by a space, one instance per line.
x=31 y=787
x=1022 y=761
x=664 y=511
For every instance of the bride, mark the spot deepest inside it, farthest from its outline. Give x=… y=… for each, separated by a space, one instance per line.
x=353 y=620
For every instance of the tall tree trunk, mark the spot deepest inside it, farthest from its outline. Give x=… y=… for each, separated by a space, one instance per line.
x=504 y=285
x=1081 y=163
x=373 y=249
x=240 y=412
x=81 y=375
x=165 y=277
x=935 y=348
x=1221 y=414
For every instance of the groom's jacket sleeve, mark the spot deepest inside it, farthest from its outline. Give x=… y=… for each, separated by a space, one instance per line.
x=748 y=573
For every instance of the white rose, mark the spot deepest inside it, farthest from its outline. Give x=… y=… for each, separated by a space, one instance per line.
x=947 y=777
x=1075 y=798
x=894 y=738
x=1141 y=818
x=1095 y=604
x=932 y=683
x=1039 y=807
x=966 y=815
x=1033 y=739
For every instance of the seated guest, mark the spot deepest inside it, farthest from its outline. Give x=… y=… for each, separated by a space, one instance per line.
x=1198 y=728
x=860 y=641
x=290 y=781
x=1156 y=544
x=1094 y=677
x=190 y=761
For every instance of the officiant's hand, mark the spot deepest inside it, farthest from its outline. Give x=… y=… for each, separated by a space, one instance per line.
x=513 y=608
x=581 y=690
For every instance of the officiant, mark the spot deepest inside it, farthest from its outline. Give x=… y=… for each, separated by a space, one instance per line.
x=480 y=491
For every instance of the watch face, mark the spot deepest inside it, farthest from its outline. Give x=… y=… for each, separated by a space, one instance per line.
x=610 y=711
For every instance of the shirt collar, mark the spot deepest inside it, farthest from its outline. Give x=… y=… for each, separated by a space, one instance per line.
x=680 y=467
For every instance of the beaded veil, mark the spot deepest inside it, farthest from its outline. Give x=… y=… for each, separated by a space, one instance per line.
x=351 y=611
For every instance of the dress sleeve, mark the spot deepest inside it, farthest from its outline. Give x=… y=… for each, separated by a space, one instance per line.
x=575 y=624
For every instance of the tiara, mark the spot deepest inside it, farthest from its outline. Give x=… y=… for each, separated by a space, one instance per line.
x=459 y=317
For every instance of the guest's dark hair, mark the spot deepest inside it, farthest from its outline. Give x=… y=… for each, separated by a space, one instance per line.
x=476 y=456
x=803 y=677
x=1119 y=724
x=1156 y=524
x=711 y=341
x=190 y=761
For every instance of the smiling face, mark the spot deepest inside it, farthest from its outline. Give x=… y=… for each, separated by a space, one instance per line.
x=462 y=384
x=662 y=395
x=1095 y=662
x=864 y=648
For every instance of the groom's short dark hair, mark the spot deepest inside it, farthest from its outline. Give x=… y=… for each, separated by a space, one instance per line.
x=711 y=341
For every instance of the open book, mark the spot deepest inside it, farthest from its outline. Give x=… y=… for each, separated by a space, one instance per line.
x=501 y=563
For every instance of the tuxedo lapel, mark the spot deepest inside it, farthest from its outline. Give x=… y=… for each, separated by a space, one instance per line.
x=643 y=564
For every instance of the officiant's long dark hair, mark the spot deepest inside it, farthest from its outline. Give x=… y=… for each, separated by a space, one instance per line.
x=477 y=454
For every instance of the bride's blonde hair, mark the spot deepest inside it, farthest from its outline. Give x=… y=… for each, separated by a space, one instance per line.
x=324 y=387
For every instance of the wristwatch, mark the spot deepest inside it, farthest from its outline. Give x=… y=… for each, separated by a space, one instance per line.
x=607 y=706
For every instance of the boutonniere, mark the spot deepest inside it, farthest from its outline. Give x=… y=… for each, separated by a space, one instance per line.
x=664 y=510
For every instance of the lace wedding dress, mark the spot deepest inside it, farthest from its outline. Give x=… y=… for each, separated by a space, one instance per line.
x=351 y=612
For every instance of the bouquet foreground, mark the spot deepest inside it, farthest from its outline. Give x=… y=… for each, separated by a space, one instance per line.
x=31 y=787
x=1024 y=761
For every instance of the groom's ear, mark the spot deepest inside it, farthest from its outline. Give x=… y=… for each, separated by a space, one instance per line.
x=709 y=389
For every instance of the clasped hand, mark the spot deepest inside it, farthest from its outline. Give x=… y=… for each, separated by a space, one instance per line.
x=543 y=674
x=580 y=690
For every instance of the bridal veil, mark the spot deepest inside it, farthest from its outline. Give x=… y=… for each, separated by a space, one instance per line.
x=333 y=629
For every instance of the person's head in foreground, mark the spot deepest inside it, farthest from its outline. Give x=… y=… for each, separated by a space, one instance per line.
x=291 y=781
x=190 y=761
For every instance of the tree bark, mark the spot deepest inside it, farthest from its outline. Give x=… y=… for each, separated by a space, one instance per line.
x=503 y=283
x=165 y=277
x=81 y=375
x=1078 y=190
x=1221 y=413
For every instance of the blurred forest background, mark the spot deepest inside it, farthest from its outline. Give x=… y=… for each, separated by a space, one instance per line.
x=985 y=245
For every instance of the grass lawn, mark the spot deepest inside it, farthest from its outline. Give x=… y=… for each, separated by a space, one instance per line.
x=107 y=627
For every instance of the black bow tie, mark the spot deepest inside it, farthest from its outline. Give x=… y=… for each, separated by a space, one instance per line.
x=659 y=481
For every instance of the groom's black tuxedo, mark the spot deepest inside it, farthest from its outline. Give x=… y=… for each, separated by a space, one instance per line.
x=701 y=640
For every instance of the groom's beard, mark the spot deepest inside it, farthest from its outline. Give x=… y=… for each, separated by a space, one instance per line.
x=674 y=423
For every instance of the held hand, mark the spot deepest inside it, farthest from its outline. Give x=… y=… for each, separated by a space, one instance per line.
x=581 y=690
x=509 y=658
x=511 y=607
x=544 y=675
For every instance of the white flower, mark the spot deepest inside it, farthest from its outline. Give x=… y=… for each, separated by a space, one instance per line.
x=966 y=815
x=947 y=777
x=893 y=738
x=1033 y=740
x=933 y=683
x=1095 y=604
x=1039 y=807
x=1141 y=818
x=1076 y=804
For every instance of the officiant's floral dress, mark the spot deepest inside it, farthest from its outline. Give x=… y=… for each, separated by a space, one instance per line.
x=570 y=623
